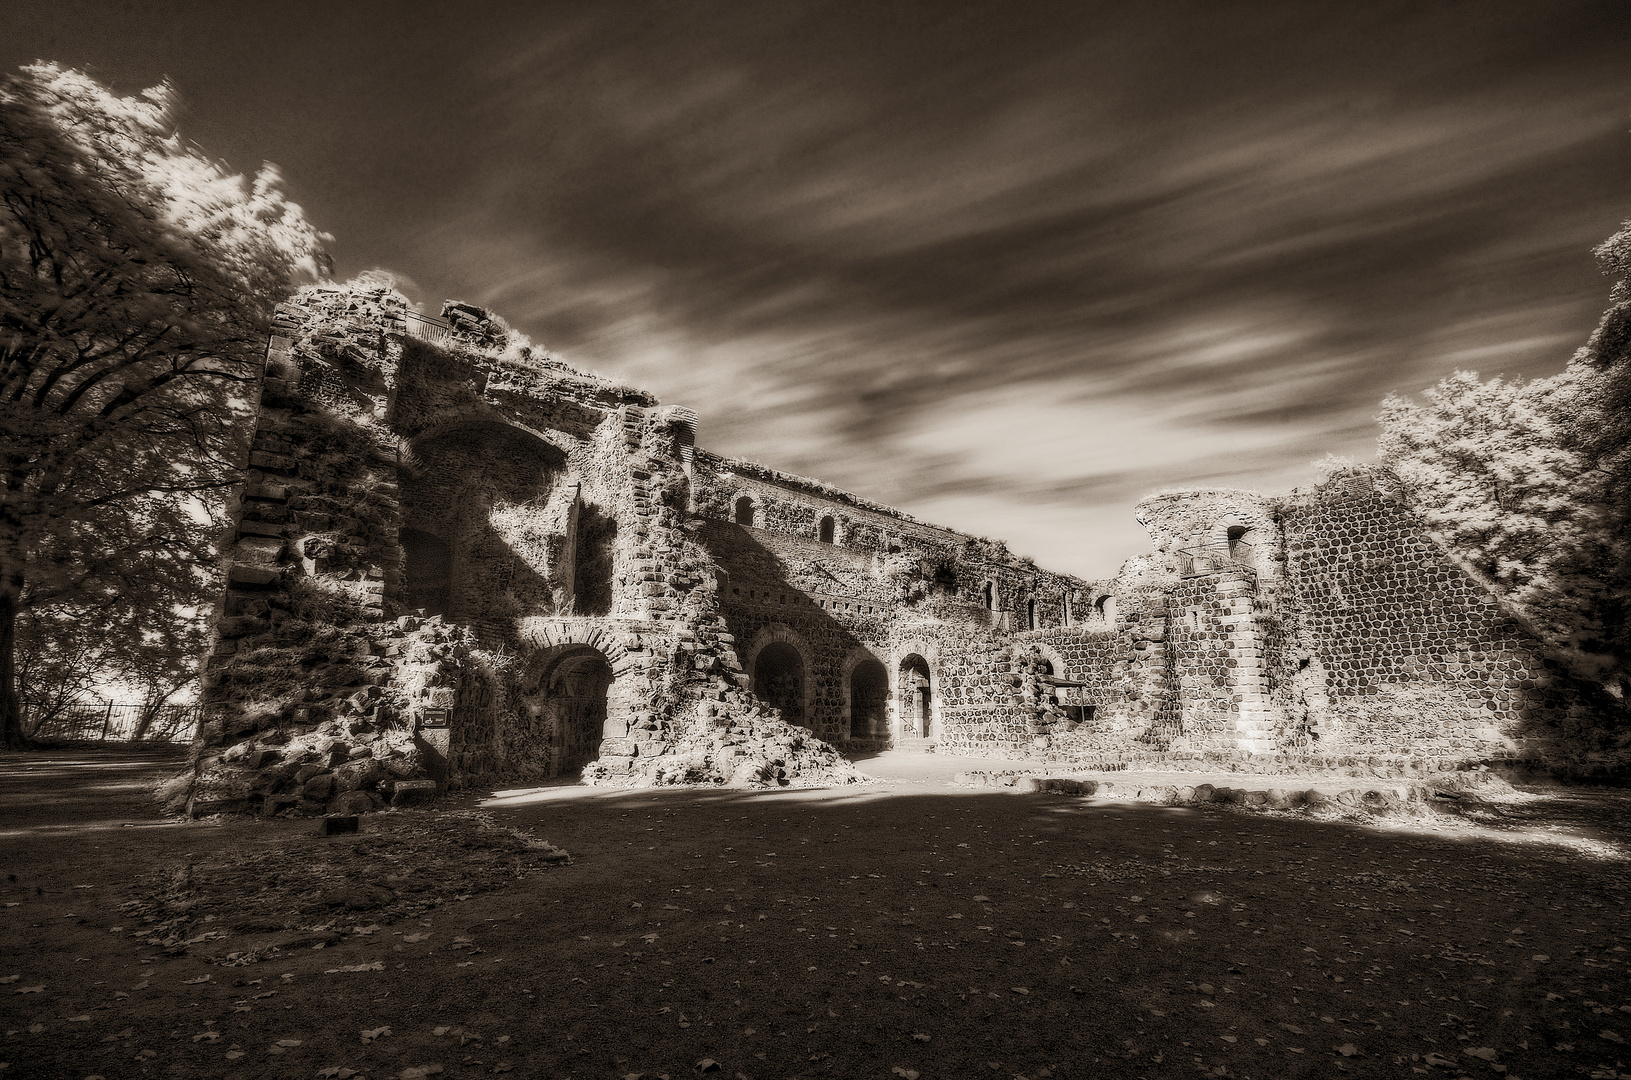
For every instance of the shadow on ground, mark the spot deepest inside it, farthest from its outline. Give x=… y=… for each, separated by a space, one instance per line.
x=883 y=930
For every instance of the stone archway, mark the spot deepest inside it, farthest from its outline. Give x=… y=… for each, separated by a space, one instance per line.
x=576 y=690
x=865 y=696
x=781 y=666
x=914 y=690
x=916 y=697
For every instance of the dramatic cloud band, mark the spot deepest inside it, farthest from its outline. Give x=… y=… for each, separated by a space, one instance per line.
x=1008 y=266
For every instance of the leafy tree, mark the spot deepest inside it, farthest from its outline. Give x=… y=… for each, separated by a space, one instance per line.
x=1530 y=482
x=137 y=279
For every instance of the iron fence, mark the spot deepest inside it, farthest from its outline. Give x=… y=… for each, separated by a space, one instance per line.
x=1195 y=561
x=111 y=722
x=426 y=328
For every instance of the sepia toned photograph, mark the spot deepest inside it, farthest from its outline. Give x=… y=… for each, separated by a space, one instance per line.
x=815 y=539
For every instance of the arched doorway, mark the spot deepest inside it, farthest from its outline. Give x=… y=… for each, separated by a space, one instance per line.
x=574 y=697
x=868 y=699
x=744 y=511
x=916 y=703
x=778 y=679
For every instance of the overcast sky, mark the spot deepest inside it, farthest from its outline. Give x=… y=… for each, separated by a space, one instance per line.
x=1008 y=266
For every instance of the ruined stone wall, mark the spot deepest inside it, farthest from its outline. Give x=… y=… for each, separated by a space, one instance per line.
x=454 y=558
x=1413 y=651
x=944 y=562
x=435 y=525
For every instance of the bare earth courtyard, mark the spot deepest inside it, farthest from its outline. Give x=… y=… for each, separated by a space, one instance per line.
x=910 y=927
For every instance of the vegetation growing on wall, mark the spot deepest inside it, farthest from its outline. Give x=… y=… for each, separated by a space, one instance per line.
x=1530 y=483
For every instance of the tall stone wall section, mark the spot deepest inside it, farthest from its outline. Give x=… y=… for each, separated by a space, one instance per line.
x=425 y=511
x=1413 y=651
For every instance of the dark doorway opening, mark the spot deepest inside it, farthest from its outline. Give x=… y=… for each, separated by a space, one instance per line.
x=744 y=511
x=592 y=576
x=778 y=679
x=868 y=699
x=427 y=570
x=575 y=692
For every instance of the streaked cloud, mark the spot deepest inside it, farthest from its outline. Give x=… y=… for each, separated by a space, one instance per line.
x=1007 y=266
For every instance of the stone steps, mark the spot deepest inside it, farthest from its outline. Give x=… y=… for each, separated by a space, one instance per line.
x=921 y=745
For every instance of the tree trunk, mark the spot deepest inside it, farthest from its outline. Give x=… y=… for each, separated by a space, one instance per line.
x=11 y=705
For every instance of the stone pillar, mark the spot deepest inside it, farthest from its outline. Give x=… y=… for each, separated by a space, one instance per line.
x=1254 y=716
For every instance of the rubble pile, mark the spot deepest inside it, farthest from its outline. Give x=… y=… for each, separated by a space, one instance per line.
x=349 y=766
x=739 y=744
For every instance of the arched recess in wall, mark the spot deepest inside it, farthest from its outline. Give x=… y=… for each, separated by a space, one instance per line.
x=747 y=511
x=1030 y=614
x=1241 y=539
x=593 y=561
x=990 y=596
x=827 y=531
x=1105 y=607
x=866 y=695
x=479 y=489
x=1052 y=665
x=566 y=701
x=781 y=665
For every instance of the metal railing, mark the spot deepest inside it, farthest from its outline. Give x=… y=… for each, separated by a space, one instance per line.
x=110 y=723
x=426 y=328
x=1196 y=561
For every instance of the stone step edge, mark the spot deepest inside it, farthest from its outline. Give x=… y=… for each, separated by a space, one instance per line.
x=1276 y=797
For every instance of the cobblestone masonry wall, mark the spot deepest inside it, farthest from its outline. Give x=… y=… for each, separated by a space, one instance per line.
x=1411 y=651
x=437 y=527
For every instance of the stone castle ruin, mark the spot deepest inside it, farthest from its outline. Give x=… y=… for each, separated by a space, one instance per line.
x=454 y=561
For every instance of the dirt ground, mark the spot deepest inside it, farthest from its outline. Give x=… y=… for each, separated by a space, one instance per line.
x=908 y=928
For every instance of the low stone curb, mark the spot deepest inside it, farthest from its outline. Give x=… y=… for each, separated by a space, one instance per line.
x=1378 y=798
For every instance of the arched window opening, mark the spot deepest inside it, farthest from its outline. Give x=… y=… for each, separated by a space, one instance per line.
x=778 y=680
x=744 y=511
x=916 y=704
x=1106 y=608
x=868 y=699
x=1064 y=607
x=1030 y=614
x=990 y=596
x=1240 y=548
x=427 y=567
x=828 y=530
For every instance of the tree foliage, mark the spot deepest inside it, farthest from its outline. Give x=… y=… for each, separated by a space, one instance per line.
x=1530 y=482
x=137 y=278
